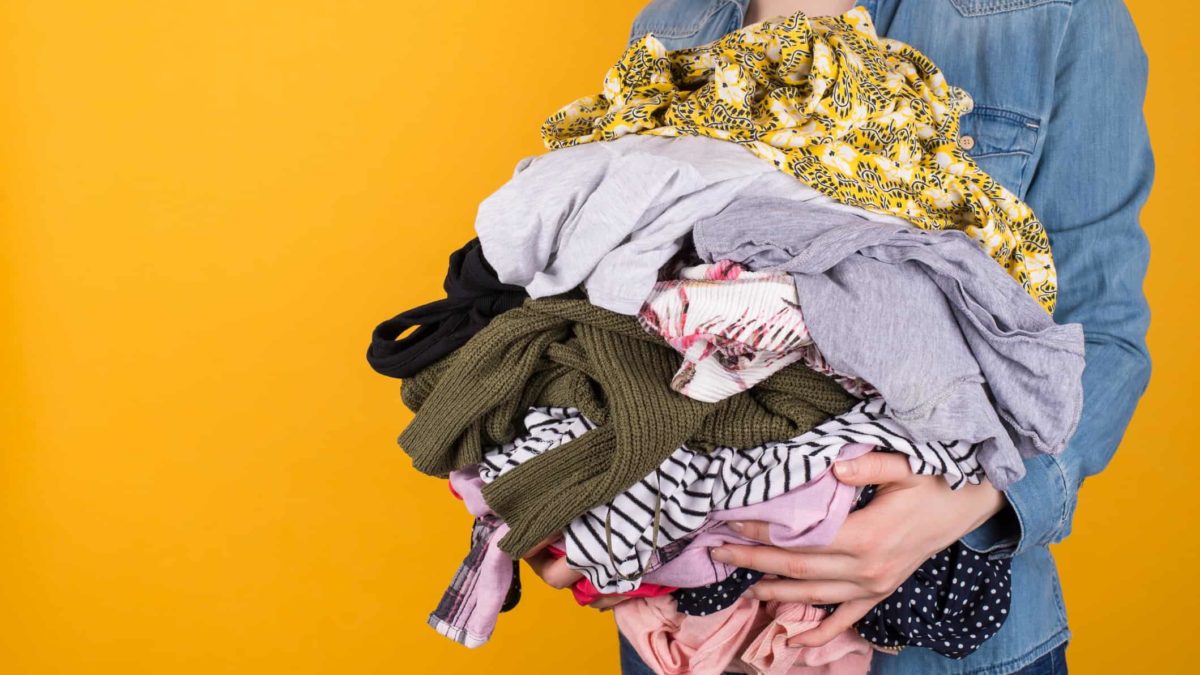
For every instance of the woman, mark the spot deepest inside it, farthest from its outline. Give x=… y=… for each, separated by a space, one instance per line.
x=1058 y=87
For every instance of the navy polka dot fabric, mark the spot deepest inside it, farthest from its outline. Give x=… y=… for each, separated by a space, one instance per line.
x=951 y=604
x=705 y=600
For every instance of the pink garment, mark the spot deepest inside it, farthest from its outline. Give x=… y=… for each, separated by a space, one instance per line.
x=468 y=486
x=770 y=654
x=809 y=515
x=585 y=593
x=469 y=608
x=750 y=636
x=673 y=643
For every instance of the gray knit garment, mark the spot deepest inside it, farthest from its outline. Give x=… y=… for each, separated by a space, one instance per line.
x=953 y=344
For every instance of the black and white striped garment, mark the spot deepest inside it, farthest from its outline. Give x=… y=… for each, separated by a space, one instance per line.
x=546 y=429
x=613 y=544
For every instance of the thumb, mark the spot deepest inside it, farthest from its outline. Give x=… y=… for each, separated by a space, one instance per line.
x=873 y=468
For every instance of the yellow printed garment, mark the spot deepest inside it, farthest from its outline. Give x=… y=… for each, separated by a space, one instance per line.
x=868 y=121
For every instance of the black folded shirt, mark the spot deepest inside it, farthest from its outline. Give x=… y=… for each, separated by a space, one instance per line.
x=474 y=296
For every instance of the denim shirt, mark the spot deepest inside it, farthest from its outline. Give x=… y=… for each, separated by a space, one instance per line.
x=1058 y=87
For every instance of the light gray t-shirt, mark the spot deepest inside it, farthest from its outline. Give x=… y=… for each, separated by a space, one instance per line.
x=954 y=345
x=608 y=215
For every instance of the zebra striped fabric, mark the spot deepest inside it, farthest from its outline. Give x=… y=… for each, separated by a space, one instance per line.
x=614 y=544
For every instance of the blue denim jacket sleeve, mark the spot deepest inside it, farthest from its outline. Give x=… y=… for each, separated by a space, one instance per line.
x=1093 y=176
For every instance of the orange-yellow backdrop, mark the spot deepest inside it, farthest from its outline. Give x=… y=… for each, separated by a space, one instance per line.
x=206 y=206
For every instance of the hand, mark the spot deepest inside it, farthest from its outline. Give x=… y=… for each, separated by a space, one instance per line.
x=910 y=519
x=558 y=574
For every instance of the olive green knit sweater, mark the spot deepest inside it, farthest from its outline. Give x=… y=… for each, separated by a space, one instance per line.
x=567 y=352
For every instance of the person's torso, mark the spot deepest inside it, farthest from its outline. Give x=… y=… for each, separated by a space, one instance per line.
x=1002 y=52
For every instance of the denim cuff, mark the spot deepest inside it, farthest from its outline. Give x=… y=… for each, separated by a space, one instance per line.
x=998 y=537
x=1035 y=514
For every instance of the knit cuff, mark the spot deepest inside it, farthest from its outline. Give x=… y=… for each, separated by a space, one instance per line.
x=538 y=498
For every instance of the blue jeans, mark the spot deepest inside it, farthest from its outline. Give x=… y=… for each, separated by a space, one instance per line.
x=1054 y=663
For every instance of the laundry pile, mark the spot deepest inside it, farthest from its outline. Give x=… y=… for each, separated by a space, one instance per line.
x=738 y=264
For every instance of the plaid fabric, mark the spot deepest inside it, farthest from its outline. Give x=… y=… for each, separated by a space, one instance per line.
x=487 y=583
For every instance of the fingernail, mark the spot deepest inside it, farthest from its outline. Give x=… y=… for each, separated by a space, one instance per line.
x=720 y=555
x=736 y=525
x=797 y=641
x=845 y=468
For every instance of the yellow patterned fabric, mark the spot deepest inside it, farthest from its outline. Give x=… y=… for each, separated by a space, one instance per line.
x=868 y=121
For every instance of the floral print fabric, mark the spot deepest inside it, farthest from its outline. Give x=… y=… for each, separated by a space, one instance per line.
x=868 y=121
x=736 y=333
x=735 y=328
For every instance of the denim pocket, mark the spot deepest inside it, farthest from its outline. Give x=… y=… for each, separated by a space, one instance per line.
x=1002 y=142
x=985 y=7
x=679 y=23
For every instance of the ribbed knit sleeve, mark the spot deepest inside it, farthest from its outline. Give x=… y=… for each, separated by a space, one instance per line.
x=490 y=370
x=566 y=352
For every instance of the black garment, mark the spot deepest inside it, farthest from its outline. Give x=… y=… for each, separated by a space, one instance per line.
x=951 y=603
x=474 y=296
x=705 y=600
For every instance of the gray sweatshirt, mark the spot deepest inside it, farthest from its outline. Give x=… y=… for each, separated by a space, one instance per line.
x=954 y=345
x=608 y=215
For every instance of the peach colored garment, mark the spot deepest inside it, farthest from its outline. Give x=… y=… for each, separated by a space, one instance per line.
x=770 y=654
x=750 y=636
x=673 y=643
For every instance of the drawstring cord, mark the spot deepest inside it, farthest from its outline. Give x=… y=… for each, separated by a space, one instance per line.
x=612 y=558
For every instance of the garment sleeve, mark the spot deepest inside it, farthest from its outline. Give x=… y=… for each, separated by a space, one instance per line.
x=1094 y=175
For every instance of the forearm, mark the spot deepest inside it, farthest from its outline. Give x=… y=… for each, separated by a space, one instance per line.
x=1040 y=506
x=1093 y=177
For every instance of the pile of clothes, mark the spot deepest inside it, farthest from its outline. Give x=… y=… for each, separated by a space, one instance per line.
x=738 y=264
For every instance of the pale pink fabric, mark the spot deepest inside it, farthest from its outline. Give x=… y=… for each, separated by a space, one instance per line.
x=751 y=636
x=673 y=643
x=770 y=654
x=809 y=515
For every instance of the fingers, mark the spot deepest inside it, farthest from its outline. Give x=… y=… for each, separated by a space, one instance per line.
x=554 y=571
x=785 y=563
x=873 y=468
x=833 y=625
x=807 y=592
x=751 y=529
x=858 y=536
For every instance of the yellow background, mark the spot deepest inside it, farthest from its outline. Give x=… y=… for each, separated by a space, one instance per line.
x=204 y=209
